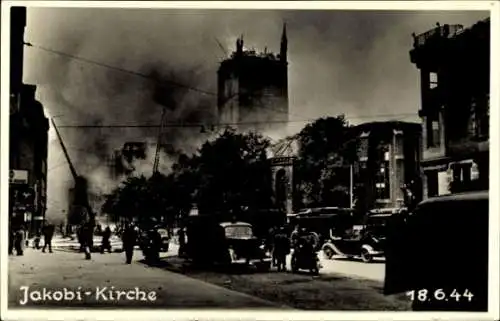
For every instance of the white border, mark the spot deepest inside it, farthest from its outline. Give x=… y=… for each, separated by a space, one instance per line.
x=89 y=314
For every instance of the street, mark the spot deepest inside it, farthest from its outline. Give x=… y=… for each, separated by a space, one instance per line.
x=354 y=268
x=342 y=285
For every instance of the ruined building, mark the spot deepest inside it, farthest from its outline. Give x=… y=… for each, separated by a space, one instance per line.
x=28 y=138
x=253 y=89
x=122 y=161
x=388 y=157
x=454 y=66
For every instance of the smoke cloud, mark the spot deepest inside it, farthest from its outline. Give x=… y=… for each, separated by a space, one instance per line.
x=355 y=63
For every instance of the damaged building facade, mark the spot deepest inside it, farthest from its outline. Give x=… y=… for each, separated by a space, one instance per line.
x=28 y=147
x=121 y=163
x=253 y=89
x=388 y=157
x=454 y=65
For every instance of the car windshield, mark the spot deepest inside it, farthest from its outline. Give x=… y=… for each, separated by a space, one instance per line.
x=162 y=232
x=238 y=231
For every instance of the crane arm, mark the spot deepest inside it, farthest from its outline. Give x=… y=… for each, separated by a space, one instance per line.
x=65 y=151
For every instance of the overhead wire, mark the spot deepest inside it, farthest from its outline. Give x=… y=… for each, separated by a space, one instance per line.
x=192 y=88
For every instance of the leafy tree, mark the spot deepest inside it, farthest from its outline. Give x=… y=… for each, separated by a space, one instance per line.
x=230 y=174
x=233 y=174
x=326 y=150
x=128 y=199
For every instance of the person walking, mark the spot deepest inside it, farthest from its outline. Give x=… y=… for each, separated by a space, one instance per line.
x=129 y=240
x=48 y=233
x=18 y=241
x=182 y=242
x=11 y=241
x=106 y=244
x=87 y=239
x=281 y=249
x=36 y=241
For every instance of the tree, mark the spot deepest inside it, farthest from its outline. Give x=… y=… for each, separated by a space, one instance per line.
x=230 y=175
x=139 y=198
x=326 y=151
x=233 y=174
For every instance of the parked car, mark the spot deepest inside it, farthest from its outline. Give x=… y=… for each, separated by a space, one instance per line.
x=225 y=243
x=321 y=222
x=165 y=239
x=438 y=253
x=366 y=241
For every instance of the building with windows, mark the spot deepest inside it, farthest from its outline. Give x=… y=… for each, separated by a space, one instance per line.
x=28 y=138
x=454 y=66
x=388 y=157
x=253 y=89
x=123 y=160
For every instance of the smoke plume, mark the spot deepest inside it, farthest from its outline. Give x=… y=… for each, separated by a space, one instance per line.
x=340 y=62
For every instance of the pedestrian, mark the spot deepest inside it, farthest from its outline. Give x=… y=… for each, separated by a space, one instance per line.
x=281 y=249
x=182 y=241
x=18 y=241
x=106 y=244
x=271 y=243
x=36 y=241
x=129 y=239
x=48 y=233
x=87 y=239
x=11 y=240
x=295 y=235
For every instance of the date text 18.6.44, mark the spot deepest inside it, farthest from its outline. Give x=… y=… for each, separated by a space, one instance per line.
x=422 y=295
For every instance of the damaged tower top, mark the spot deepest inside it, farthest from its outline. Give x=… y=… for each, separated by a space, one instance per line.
x=253 y=88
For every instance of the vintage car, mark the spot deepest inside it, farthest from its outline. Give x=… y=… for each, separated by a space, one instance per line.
x=366 y=241
x=243 y=246
x=165 y=238
x=225 y=243
x=321 y=222
x=439 y=252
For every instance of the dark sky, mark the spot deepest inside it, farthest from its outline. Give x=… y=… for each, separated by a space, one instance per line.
x=351 y=62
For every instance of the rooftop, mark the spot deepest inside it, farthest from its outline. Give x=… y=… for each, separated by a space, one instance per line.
x=444 y=32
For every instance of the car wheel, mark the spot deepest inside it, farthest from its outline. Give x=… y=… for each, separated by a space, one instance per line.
x=365 y=256
x=327 y=253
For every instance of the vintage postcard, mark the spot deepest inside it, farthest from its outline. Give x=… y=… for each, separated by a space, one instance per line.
x=258 y=160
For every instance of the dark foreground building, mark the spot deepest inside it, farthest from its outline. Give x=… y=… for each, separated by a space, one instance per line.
x=253 y=89
x=28 y=139
x=454 y=66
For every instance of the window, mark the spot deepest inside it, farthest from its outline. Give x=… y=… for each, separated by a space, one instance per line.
x=473 y=120
x=433 y=80
x=433 y=132
x=238 y=231
x=382 y=182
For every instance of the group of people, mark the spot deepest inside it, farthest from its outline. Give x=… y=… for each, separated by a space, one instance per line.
x=18 y=236
x=281 y=244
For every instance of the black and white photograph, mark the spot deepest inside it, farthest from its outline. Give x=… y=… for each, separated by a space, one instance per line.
x=249 y=157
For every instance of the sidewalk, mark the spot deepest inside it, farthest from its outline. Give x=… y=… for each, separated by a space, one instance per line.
x=64 y=269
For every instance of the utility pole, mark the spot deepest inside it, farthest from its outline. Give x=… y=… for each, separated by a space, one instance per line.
x=351 y=183
x=159 y=141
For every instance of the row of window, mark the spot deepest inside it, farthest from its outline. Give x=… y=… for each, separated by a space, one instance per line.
x=478 y=122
